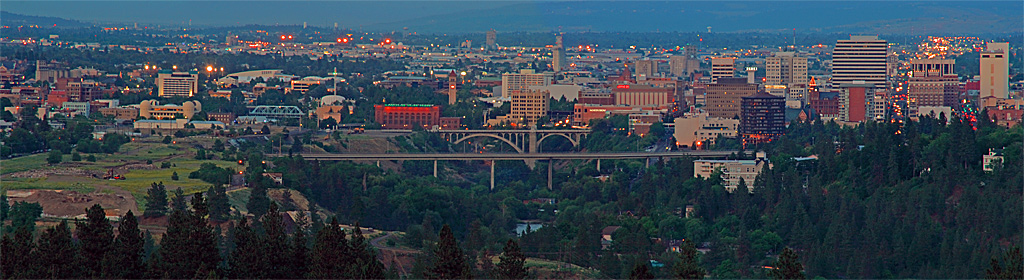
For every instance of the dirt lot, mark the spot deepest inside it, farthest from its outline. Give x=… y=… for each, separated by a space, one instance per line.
x=67 y=204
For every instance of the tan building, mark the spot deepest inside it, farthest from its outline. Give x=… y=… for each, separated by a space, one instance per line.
x=700 y=130
x=995 y=68
x=724 y=98
x=172 y=84
x=722 y=67
x=732 y=171
x=933 y=83
x=304 y=85
x=642 y=95
x=682 y=65
x=121 y=113
x=522 y=81
x=786 y=75
x=528 y=106
x=646 y=68
x=153 y=109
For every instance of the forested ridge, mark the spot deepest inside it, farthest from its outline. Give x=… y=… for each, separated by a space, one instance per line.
x=882 y=200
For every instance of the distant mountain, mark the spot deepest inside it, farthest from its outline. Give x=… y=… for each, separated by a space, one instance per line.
x=869 y=17
x=12 y=19
x=866 y=17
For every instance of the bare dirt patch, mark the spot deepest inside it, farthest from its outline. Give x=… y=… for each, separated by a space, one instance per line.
x=62 y=171
x=69 y=204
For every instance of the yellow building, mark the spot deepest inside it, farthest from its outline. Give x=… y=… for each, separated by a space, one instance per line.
x=152 y=109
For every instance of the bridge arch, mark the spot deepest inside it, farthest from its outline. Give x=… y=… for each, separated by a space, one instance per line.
x=491 y=135
x=575 y=142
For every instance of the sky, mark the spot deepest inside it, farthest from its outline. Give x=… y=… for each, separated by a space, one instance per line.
x=948 y=17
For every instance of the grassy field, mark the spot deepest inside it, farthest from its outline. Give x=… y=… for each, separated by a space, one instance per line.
x=37 y=161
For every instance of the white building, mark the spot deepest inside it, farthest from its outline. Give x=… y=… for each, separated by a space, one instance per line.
x=522 y=81
x=994 y=70
x=786 y=75
x=177 y=83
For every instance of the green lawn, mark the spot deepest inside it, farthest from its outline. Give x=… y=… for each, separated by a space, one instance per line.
x=37 y=161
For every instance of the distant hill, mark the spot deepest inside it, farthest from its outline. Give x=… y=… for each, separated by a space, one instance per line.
x=12 y=19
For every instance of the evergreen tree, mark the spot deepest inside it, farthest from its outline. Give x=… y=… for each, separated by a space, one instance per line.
x=788 y=266
x=220 y=207
x=57 y=256
x=329 y=252
x=247 y=260
x=24 y=214
x=20 y=245
x=276 y=242
x=156 y=201
x=259 y=202
x=189 y=247
x=96 y=236
x=300 y=252
x=365 y=265
x=178 y=201
x=642 y=270
x=512 y=262
x=126 y=259
x=4 y=207
x=688 y=266
x=1011 y=266
x=449 y=262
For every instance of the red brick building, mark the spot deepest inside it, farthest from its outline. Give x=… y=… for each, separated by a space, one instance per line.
x=405 y=116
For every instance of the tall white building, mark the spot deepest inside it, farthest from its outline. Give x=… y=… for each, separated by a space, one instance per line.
x=861 y=58
x=558 y=55
x=995 y=67
x=786 y=75
x=722 y=67
x=522 y=81
x=177 y=83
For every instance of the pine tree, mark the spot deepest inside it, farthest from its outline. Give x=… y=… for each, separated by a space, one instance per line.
x=156 y=201
x=788 y=266
x=96 y=236
x=259 y=202
x=56 y=256
x=276 y=242
x=1010 y=267
x=366 y=265
x=178 y=201
x=125 y=261
x=20 y=245
x=450 y=263
x=246 y=261
x=641 y=270
x=189 y=246
x=326 y=258
x=220 y=207
x=688 y=266
x=300 y=253
x=512 y=262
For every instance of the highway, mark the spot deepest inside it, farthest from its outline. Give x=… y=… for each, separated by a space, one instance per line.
x=515 y=156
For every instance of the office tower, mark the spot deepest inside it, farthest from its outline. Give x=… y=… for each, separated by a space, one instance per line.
x=859 y=101
x=677 y=65
x=995 y=70
x=558 y=55
x=933 y=83
x=763 y=117
x=724 y=98
x=83 y=91
x=861 y=58
x=722 y=67
x=177 y=83
x=522 y=81
x=452 y=87
x=529 y=105
x=786 y=75
x=492 y=37
x=647 y=68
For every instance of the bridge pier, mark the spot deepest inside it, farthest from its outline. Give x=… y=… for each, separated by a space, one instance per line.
x=551 y=166
x=492 y=174
x=435 y=168
x=599 y=166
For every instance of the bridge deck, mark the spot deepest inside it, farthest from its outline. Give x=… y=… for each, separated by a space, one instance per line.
x=515 y=156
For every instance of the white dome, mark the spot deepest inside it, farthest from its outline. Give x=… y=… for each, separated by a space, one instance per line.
x=332 y=100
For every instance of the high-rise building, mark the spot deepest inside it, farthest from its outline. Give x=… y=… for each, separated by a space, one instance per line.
x=492 y=38
x=861 y=58
x=860 y=102
x=646 y=68
x=558 y=55
x=933 y=83
x=724 y=98
x=529 y=105
x=722 y=67
x=786 y=75
x=995 y=70
x=763 y=117
x=177 y=83
x=84 y=91
x=522 y=81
